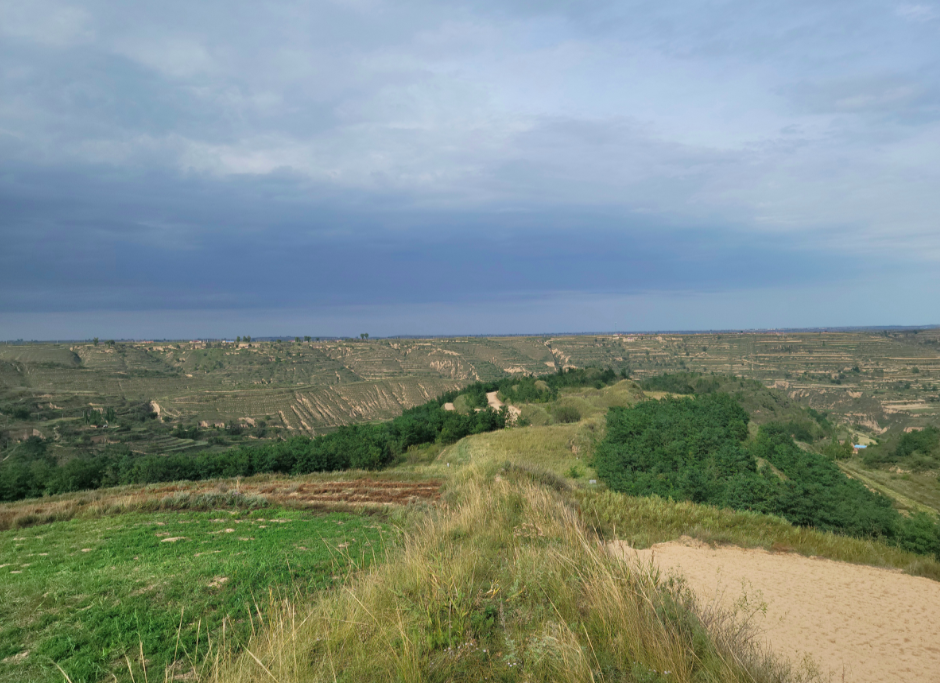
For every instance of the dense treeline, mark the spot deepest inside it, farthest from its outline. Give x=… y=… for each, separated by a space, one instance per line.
x=699 y=450
x=32 y=471
x=534 y=388
x=763 y=404
x=545 y=388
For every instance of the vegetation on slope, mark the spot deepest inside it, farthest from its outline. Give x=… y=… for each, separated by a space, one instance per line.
x=917 y=450
x=564 y=452
x=695 y=450
x=31 y=471
x=762 y=404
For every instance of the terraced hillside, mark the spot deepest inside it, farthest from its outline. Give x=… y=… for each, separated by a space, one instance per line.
x=871 y=380
x=170 y=397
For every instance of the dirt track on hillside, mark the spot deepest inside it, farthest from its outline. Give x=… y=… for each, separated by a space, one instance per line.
x=857 y=623
x=493 y=399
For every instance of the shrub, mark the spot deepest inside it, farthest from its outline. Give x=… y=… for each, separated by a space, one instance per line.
x=566 y=414
x=924 y=441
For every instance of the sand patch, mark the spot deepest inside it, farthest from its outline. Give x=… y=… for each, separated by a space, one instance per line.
x=173 y=539
x=492 y=399
x=857 y=623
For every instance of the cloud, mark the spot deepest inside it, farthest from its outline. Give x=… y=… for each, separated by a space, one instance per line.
x=918 y=13
x=164 y=155
x=53 y=24
x=883 y=94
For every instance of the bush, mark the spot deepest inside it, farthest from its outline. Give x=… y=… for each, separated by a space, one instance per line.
x=924 y=441
x=566 y=414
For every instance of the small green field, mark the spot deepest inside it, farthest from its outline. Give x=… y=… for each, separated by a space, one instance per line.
x=104 y=598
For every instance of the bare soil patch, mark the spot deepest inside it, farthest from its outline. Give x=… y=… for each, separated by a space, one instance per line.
x=357 y=491
x=318 y=495
x=493 y=399
x=857 y=623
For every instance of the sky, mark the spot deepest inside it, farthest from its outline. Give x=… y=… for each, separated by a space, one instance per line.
x=177 y=169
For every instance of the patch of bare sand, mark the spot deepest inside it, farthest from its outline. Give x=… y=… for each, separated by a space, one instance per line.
x=857 y=623
x=492 y=398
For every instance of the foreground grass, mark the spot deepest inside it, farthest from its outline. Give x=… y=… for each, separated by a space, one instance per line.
x=504 y=583
x=106 y=597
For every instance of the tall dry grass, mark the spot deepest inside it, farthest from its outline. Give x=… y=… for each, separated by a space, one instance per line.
x=502 y=582
x=641 y=522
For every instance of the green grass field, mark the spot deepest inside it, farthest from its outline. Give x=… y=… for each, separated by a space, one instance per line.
x=93 y=595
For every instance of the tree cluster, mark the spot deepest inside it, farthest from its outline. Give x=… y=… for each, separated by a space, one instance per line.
x=699 y=450
x=31 y=471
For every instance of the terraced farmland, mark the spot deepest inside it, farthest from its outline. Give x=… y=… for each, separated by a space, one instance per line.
x=224 y=392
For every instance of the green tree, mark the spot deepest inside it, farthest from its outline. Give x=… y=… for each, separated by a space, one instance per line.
x=238 y=340
x=307 y=338
x=364 y=335
x=95 y=340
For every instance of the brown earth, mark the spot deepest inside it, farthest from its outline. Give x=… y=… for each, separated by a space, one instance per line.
x=857 y=623
x=318 y=495
x=492 y=399
x=357 y=491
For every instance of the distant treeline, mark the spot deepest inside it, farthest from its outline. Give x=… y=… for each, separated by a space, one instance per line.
x=31 y=471
x=802 y=423
x=699 y=450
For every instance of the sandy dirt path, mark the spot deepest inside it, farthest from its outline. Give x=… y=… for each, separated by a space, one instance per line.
x=496 y=404
x=857 y=623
